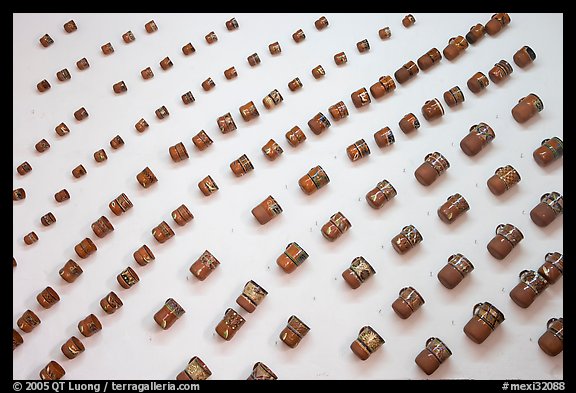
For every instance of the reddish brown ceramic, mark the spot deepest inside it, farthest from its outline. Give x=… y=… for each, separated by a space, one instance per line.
x=143 y=255
x=48 y=297
x=431 y=357
x=252 y=295
x=120 y=204
x=232 y=24
x=241 y=166
x=188 y=49
x=321 y=23
x=63 y=75
x=72 y=347
x=453 y=208
x=52 y=372
x=453 y=97
x=409 y=123
x=476 y=33
x=456 y=45
x=162 y=232
x=102 y=227
x=48 y=219
x=162 y=112
x=434 y=165
x=230 y=324
x=486 y=318
x=170 y=312
x=82 y=64
x=127 y=278
x=406 y=72
x=295 y=136
x=524 y=56
x=551 y=206
x=261 y=372
x=28 y=321
x=503 y=179
x=293 y=256
x=79 y=171
x=208 y=186
x=128 y=37
x=408 y=301
x=298 y=36
x=31 y=238
x=340 y=58
x=428 y=59
x=111 y=303
x=274 y=48
x=335 y=227
x=62 y=129
x=338 y=111
x=549 y=151
x=146 y=177
x=166 y=63
x=141 y=125
x=196 y=370
x=211 y=37
x=18 y=194
x=358 y=272
x=208 y=84
x=147 y=73
x=552 y=341
x=85 y=248
x=62 y=195
x=24 y=168
x=89 y=325
x=272 y=150
x=253 y=59
x=188 y=98
x=249 y=111
x=116 y=142
x=319 y=123
x=100 y=155
x=367 y=342
x=318 y=72
x=272 y=99
x=477 y=82
x=204 y=265
x=201 y=140
x=384 y=137
x=363 y=46
x=408 y=20
x=408 y=237
x=432 y=109
x=119 y=87
x=553 y=267
x=315 y=179
x=226 y=123
x=384 y=86
x=530 y=286
x=506 y=238
x=360 y=98
x=17 y=339
x=384 y=33
x=46 y=40
x=497 y=22
x=500 y=71
x=455 y=270
x=266 y=210
x=358 y=150
x=479 y=136
x=230 y=73
x=182 y=215
x=107 y=49
x=295 y=84
x=70 y=271
x=527 y=107
x=379 y=195
x=178 y=152
x=43 y=85
x=294 y=332
x=151 y=26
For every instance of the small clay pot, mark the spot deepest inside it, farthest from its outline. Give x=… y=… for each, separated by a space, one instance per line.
x=226 y=123
x=551 y=206
x=530 y=286
x=503 y=179
x=408 y=301
x=553 y=267
x=428 y=59
x=456 y=46
x=70 y=271
x=89 y=325
x=434 y=165
x=406 y=72
x=552 y=341
x=249 y=111
x=201 y=140
x=486 y=318
x=196 y=370
x=432 y=109
x=252 y=295
x=208 y=186
x=358 y=150
x=360 y=98
x=295 y=136
x=120 y=204
x=409 y=123
x=477 y=82
x=476 y=33
x=527 y=107
x=162 y=232
x=111 y=303
x=170 y=312
x=204 y=265
x=52 y=372
x=384 y=86
x=496 y=23
x=453 y=208
x=261 y=372
x=384 y=137
x=338 y=111
x=48 y=297
x=72 y=347
x=266 y=210
x=500 y=72
x=319 y=123
x=85 y=248
x=453 y=97
x=455 y=270
x=127 y=278
x=358 y=272
x=379 y=195
x=241 y=166
x=524 y=56
x=28 y=321
x=431 y=357
x=549 y=151
x=406 y=239
x=479 y=136
x=507 y=237
x=367 y=342
x=230 y=324
x=143 y=255
x=293 y=256
x=294 y=332
x=335 y=227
